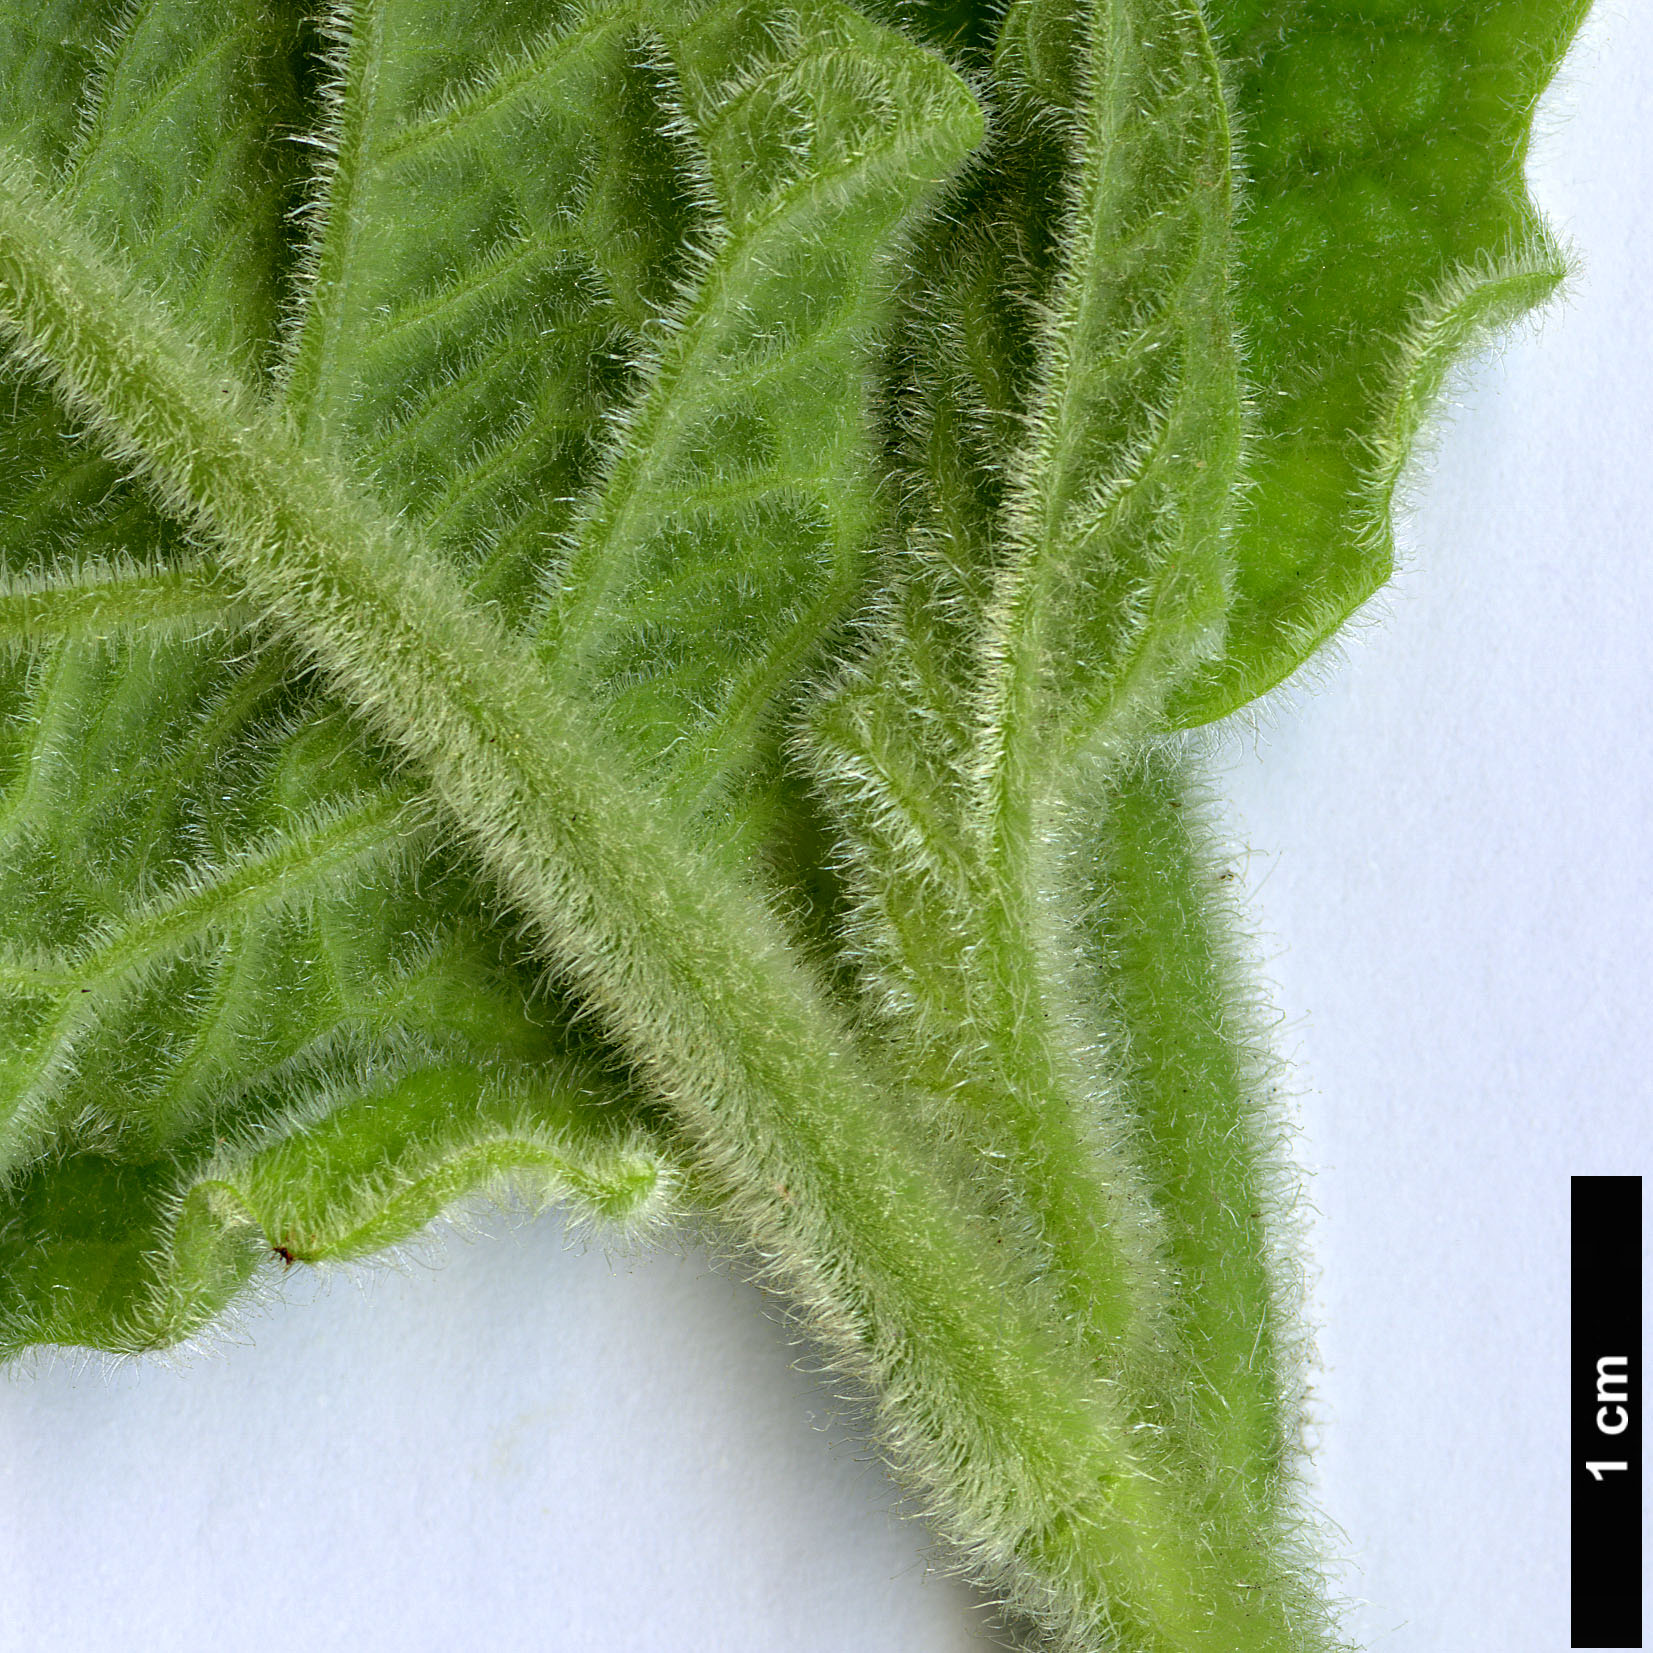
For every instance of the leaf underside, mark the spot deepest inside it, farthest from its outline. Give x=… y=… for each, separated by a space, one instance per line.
x=1039 y=604
x=248 y=917
x=903 y=532
x=1343 y=388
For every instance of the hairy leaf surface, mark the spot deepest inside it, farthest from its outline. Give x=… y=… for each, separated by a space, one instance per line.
x=500 y=216
x=123 y=1252
x=1033 y=1468
x=465 y=331
x=732 y=528
x=483 y=417
x=209 y=894
x=1389 y=231
x=962 y=921
x=1044 y=599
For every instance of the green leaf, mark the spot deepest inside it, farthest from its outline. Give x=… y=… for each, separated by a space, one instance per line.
x=731 y=529
x=160 y=120
x=1050 y=597
x=961 y=918
x=1116 y=509
x=411 y=359
x=206 y=881
x=519 y=412
x=569 y=306
x=303 y=970
x=500 y=217
x=196 y=987
x=108 y=600
x=113 y=772
x=1389 y=232
x=1031 y=1464
x=1189 y=1046
x=126 y=1253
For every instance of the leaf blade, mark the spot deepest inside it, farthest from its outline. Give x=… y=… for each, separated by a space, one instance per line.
x=1389 y=215
x=150 y=765
x=730 y=530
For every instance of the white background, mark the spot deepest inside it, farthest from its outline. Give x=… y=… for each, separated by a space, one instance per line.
x=1447 y=846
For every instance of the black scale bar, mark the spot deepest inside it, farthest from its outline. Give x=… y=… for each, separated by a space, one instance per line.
x=1607 y=1399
